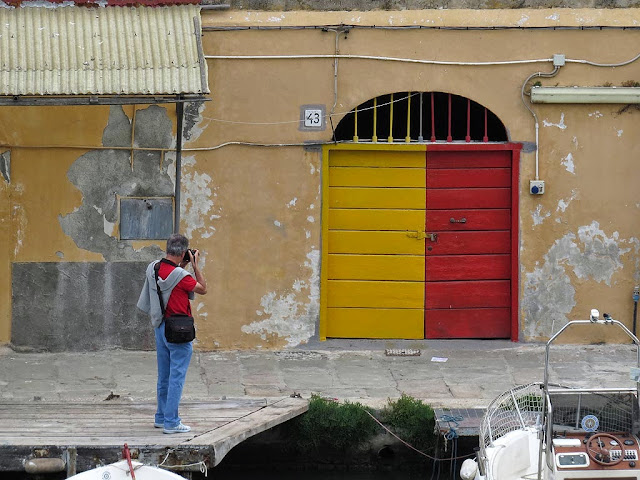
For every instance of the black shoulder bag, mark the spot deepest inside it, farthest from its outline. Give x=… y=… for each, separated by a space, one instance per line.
x=178 y=328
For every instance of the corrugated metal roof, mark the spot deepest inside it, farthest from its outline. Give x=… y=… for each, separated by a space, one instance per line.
x=101 y=51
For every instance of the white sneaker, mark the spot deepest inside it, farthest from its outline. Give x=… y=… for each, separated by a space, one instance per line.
x=180 y=428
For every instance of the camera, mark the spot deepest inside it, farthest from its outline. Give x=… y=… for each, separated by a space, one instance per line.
x=186 y=257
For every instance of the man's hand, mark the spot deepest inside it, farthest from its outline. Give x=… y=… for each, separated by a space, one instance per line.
x=201 y=286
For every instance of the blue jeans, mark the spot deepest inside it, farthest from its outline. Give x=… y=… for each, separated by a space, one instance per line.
x=173 y=362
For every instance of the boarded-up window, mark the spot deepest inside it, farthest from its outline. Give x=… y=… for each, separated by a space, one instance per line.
x=146 y=218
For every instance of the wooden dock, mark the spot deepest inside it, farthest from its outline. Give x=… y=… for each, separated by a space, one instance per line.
x=80 y=436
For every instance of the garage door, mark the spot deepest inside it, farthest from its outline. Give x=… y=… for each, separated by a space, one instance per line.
x=418 y=242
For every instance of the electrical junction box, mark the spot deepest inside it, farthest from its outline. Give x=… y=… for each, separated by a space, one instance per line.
x=536 y=187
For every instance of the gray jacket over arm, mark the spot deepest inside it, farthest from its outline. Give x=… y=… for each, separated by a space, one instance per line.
x=148 y=301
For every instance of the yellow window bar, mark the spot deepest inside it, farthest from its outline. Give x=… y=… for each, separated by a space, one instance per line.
x=374 y=138
x=390 y=138
x=355 y=125
x=408 y=137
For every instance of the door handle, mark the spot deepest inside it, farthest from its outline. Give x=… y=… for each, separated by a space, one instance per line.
x=453 y=220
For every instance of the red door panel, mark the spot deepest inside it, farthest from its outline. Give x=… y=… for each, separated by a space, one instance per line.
x=468 y=323
x=440 y=199
x=469 y=264
x=461 y=243
x=468 y=267
x=469 y=159
x=478 y=293
x=494 y=219
x=469 y=177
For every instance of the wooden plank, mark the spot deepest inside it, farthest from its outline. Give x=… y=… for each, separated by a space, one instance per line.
x=468 y=323
x=489 y=219
x=388 y=158
x=374 y=294
x=468 y=267
x=375 y=323
x=376 y=177
x=453 y=198
x=478 y=293
x=353 y=197
x=376 y=267
x=225 y=438
x=392 y=243
x=468 y=159
x=469 y=243
x=469 y=178
x=375 y=219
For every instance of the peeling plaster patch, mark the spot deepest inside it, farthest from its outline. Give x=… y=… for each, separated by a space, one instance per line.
x=555 y=17
x=596 y=114
x=21 y=226
x=307 y=233
x=563 y=204
x=575 y=142
x=288 y=317
x=619 y=132
x=310 y=219
x=104 y=175
x=193 y=121
x=197 y=201
x=568 y=163
x=277 y=223
x=601 y=257
x=538 y=216
x=5 y=165
x=312 y=206
x=523 y=20
x=275 y=19
x=560 y=124
x=292 y=203
x=313 y=169
x=549 y=295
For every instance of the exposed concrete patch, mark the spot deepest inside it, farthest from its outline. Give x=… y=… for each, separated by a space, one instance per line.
x=193 y=126
x=88 y=306
x=5 y=165
x=568 y=164
x=560 y=124
x=549 y=295
x=563 y=204
x=539 y=217
x=197 y=207
x=596 y=115
x=290 y=318
x=601 y=255
x=104 y=175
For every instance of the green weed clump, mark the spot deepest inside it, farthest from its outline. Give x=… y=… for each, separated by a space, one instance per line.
x=412 y=420
x=329 y=425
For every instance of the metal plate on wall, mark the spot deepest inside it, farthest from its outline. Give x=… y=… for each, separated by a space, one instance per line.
x=146 y=218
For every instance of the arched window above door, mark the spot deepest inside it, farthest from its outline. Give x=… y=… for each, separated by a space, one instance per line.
x=420 y=117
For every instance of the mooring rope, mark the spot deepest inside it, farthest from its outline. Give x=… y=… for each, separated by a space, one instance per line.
x=414 y=448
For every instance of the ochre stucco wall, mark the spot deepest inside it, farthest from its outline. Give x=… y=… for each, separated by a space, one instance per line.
x=254 y=210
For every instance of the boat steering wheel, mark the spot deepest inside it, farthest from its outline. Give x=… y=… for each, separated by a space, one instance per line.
x=601 y=455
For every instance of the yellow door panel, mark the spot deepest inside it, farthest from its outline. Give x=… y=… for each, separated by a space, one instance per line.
x=390 y=243
x=353 y=197
x=375 y=323
x=376 y=177
x=378 y=219
x=349 y=293
x=376 y=267
x=378 y=159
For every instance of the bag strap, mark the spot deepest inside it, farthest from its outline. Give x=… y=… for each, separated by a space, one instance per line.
x=156 y=269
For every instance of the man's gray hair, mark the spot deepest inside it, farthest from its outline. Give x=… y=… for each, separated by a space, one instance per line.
x=177 y=244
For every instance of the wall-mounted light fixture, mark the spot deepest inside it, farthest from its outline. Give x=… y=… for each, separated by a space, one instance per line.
x=585 y=95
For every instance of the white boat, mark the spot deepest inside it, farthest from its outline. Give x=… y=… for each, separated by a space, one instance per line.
x=546 y=432
x=122 y=471
x=127 y=469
